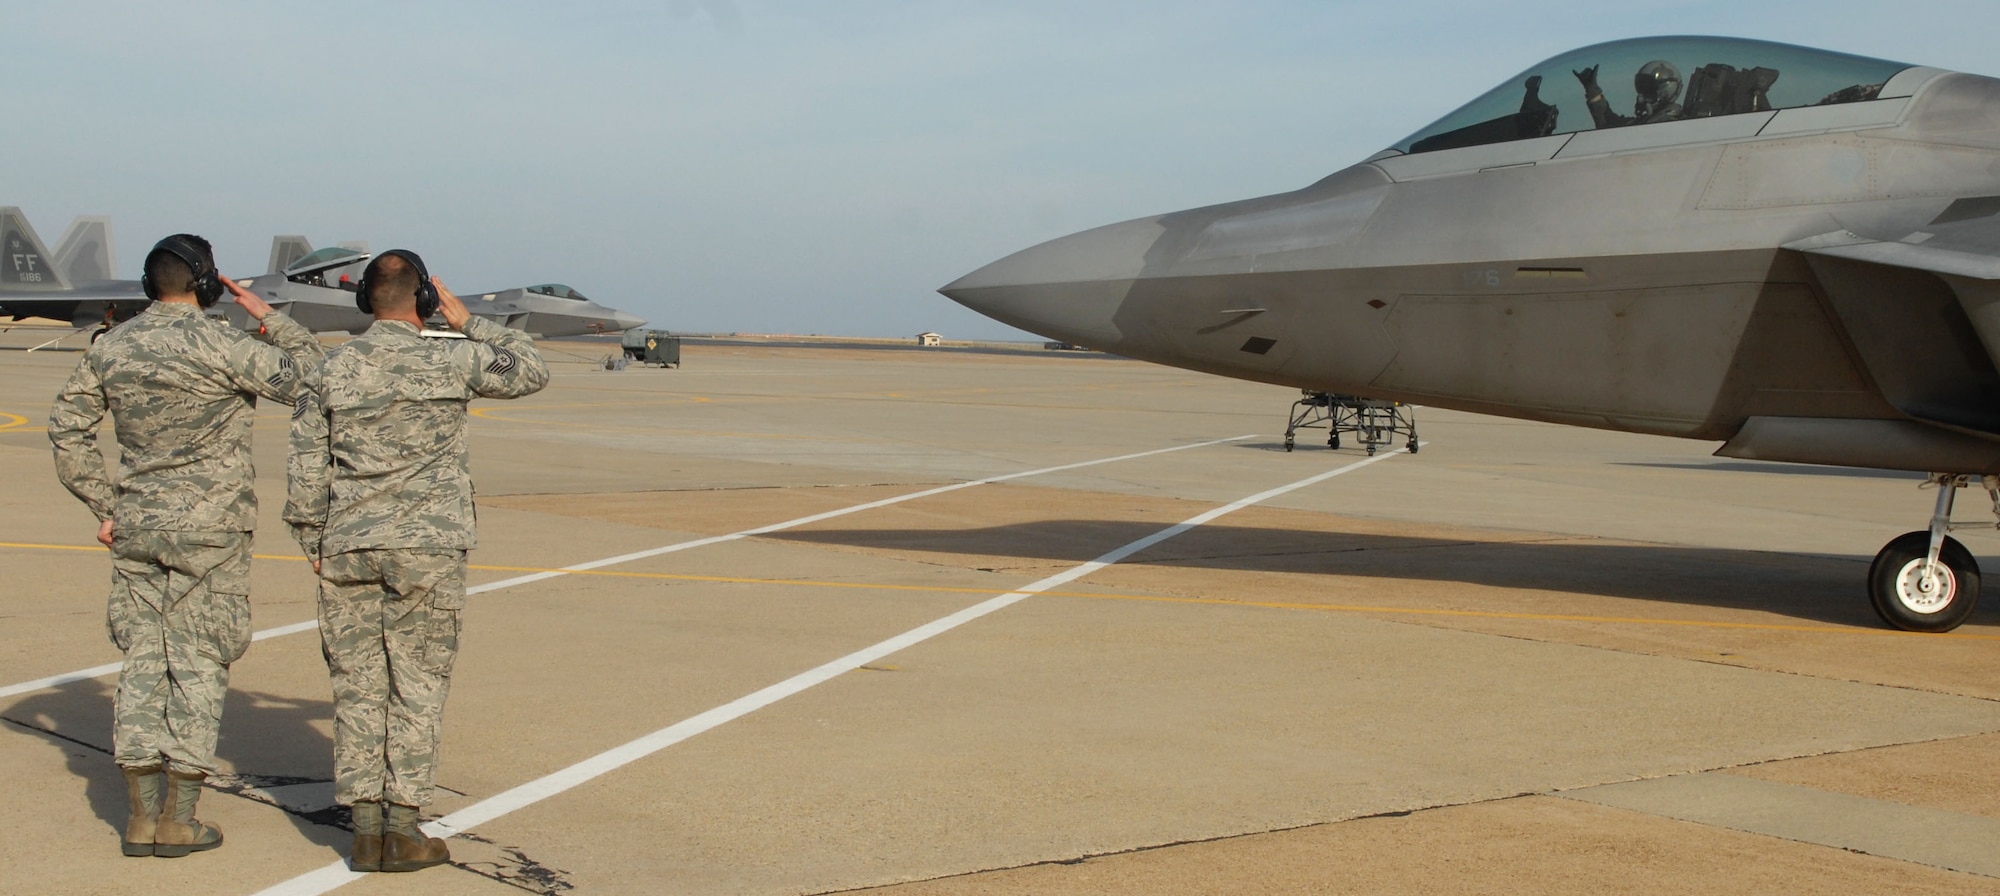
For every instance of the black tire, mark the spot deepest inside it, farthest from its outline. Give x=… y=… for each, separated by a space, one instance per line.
x=1333 y=441
x=1894 y=584
x=1413 y=446
x=1288 y=441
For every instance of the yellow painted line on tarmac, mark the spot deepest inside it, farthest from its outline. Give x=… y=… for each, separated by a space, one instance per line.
x=762 y=398
x=28 y=546
x=52 y=547
x=587 y=405
x=1153 y=598
x=746 y=580
x=11 y=421
x=488 y=414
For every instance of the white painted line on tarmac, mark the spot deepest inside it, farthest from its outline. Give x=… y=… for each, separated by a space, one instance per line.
x=109 y=668
x=55 y=681
x=337 y=874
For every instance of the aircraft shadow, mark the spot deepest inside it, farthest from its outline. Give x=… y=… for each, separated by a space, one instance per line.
x=1815 y=588
x=1788 y=470
x=272 y=741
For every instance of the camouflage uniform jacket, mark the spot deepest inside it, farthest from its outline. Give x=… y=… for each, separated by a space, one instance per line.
x=379 y=452
x=182 y=389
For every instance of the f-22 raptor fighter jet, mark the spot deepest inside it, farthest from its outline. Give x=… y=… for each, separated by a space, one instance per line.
x=73 y=283
x=316 y=287
x=1791 y=251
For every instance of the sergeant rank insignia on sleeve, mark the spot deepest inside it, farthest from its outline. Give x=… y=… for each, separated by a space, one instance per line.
x=503 y=361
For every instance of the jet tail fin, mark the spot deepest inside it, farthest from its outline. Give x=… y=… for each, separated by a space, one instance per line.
x=84 y=254
x=25 y=264
x=287 y=249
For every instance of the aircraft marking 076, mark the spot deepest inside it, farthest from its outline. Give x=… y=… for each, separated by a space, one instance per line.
x=1792 y=251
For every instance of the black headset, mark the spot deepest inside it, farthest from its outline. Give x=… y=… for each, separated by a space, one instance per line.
x=427 y=294
x=195 y=252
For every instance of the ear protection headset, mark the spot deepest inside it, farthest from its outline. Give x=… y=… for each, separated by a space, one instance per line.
x=195 y=252
x=427 y=294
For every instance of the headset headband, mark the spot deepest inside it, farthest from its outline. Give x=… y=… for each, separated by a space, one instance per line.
x=194 y=252
x=427 y=296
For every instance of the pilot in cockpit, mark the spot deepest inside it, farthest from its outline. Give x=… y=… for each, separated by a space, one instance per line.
x=1658 y=84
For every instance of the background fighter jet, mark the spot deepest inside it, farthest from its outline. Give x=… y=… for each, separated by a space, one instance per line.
x=1792 y=251
x=72 y=284
x=316 y=287
x=551 y=309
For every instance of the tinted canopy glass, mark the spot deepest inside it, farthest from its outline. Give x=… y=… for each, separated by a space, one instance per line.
x=323 y=259
x=1654 y=79
x=558 y=290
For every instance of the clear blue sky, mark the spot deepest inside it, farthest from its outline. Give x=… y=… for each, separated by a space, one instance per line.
x=769 y=165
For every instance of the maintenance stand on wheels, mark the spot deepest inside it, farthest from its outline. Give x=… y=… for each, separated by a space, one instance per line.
x=1373 y=422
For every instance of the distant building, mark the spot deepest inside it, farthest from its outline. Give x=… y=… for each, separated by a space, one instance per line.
x=929 y=339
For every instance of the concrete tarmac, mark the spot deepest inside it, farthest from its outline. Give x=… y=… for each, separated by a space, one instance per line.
x=1527 y=659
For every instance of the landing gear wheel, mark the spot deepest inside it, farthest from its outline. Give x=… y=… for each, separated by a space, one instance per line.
x=1288 y=441
x=1333 y=441
x=1413 y=446
x=1902 y=597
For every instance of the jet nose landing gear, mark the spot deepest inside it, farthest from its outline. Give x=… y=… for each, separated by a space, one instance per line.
x=1927 y=581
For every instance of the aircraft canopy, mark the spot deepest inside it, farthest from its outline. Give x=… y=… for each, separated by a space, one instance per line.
x=557 y=290
x=323 y=260
x=1714 y=75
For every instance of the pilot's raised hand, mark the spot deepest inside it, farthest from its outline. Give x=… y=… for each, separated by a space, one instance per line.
x=1589 y=78
x=455 y=314
x=1534 y=86
x=245 y=299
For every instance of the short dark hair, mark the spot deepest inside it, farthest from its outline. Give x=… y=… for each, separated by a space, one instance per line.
x=170 y=275
x=392 y=283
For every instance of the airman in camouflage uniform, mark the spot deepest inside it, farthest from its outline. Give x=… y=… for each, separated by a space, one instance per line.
x=381 y=497
x=181 y=389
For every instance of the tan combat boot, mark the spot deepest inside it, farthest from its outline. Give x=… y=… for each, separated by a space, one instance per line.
x=143 y=785
x=404 y=846
x=367 y=855
x=178 y=832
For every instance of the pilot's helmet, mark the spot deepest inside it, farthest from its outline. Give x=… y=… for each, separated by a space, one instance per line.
x=1657 y=83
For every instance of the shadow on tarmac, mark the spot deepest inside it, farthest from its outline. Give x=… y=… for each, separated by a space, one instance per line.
x=1801 y=586
x=1788 y=470
x=1782 y=469
x=271 y=741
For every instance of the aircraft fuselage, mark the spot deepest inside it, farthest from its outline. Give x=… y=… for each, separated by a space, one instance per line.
x=1634 y=279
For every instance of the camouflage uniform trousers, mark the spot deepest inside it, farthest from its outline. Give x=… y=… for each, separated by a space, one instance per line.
x=388 y=622
x=180 y=610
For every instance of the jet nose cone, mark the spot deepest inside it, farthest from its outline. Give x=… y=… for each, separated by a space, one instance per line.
x=1068 y=288
x=622 y=321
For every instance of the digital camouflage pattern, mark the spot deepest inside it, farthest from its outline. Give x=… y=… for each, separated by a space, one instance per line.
x=182 y=389
x=389 y=622
x=180 y=611
x=390 y=415
x=381 y=493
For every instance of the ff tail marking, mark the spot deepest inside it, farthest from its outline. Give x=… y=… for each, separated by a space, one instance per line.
x=24 y=261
